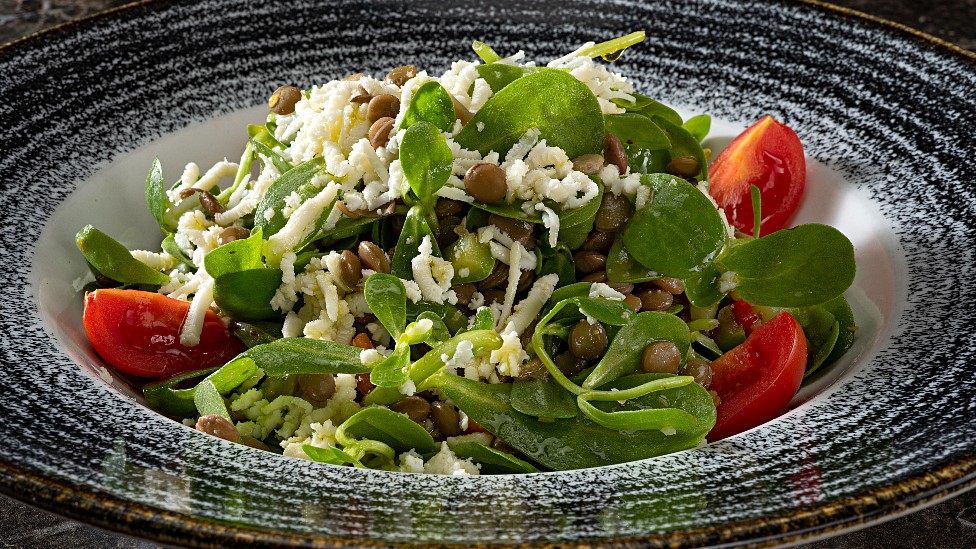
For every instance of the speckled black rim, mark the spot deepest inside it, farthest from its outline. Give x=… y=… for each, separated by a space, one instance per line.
x=105 y=510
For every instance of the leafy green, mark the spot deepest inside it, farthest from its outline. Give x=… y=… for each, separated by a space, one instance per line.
x=392 y=371
x=162 y=396
x=113 y=260
x=389 y=427
x=485 y=52
x=387 y=298
x=577 y=223
x=625 y=353
x=299 y=355
x=426 y=159
x=493 y=462
x=698 y=126
x=331 y=455
x=268 y=215
x=622 y=267
x=806 y=265
x=471 y=258
x=247 y=295
x=208 y=401
x=683 y=144
x=236 y=256
x=156 y=199
x=543 y=398
x=431 y=103
x=638 y=130
x=415 y=228
x=561 y=107
x=678 y=231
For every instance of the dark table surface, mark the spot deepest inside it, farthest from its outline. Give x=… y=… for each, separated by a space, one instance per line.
x=950 y=524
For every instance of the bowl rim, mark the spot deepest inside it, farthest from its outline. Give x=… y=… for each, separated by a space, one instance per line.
x=105 y=510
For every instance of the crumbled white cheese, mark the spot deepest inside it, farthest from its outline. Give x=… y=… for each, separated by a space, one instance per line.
x=157 y=261
x=527 y=309
x=463 y=355
x=300 y=224
x=509 y=357
x=728 y=282
x=550 y=221
x=432 y=274
x=193 y=323
x=599 y=289
x=370 y=357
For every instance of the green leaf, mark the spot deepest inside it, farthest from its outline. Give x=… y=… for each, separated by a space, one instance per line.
x=703 y=289
x=426 y=159
x=113 y=260
x=499 y=75
x=268 y=214
x=389 y=427
x=472 y=259
x=806 y=265
x=578 y=443
x=439 y=333
x=841 y=309
x=649 y=108
x=611 y=49
x=483 y=319
x=236 y=256
x=415 y=228
x=561 y=107
x=485 y=52
x=300 y=355
x=622 y=267
x=209 y=402
x=558 y=261
x=613 y=313
x=387 y=298
x=330 y=455
x=698 y=126
x=162 y=396
x=156 y=199
x=513 y=211
x=637 y=129
x=392 y=371
x=638 y=420
x=493 y=462
x=247 y=295
x=543 y=398
x=683 y=144
x=626 y=351
x=169 y=246
x=256 y=333
x=678 y=232
x=430 y=103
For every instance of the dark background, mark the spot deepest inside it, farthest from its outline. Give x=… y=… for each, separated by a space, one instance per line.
x=950 y=524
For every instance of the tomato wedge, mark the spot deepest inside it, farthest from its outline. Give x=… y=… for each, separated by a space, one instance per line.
x=138 y=333
x=757 y=379
x=768 y=155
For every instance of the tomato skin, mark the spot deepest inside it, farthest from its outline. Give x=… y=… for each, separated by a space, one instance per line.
x=768 y=155
x=746 y=316
x=138 y=333
x=757 y=379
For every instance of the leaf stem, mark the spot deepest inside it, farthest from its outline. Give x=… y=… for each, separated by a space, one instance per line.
x=613 y=46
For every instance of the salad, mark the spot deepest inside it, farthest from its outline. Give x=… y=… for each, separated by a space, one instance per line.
x=504 y=269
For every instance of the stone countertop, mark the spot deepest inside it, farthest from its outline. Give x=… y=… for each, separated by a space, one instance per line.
x=950 y=524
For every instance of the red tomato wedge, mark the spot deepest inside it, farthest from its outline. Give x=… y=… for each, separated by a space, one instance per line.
x=757 y=379
x=768 y=155
x=138 y=333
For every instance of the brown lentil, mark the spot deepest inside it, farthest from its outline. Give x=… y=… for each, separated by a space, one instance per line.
x=598 y=242
x=661 y=357
x=283 y=100
x=371 y=256
x=525 y=281
x=207 y=200
x=400 y=75
x=445 y=418
x=383 y=106
x=569 y=364
x=486 y=182
x=499 y=274
x=414 y=407
x=533 y=369
x=317 y=387
x=653 y=299
x=379 y=132
x=622 y=287
x=613 y=213
x=232 y=233
x=363 y=384
x=362 y=96
x=350 y=268
x=446 y=207
x=494 y=296
x=587 y=341
x=516 y=229
x=464 y=292
x=700 y=370
x=447 y=235
x=614 y=153
x=590 y=164
x=218 y=426
x=632 y=301
x=587 y=262
x=684 y=166
x=598 y=276
x=673 y=286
